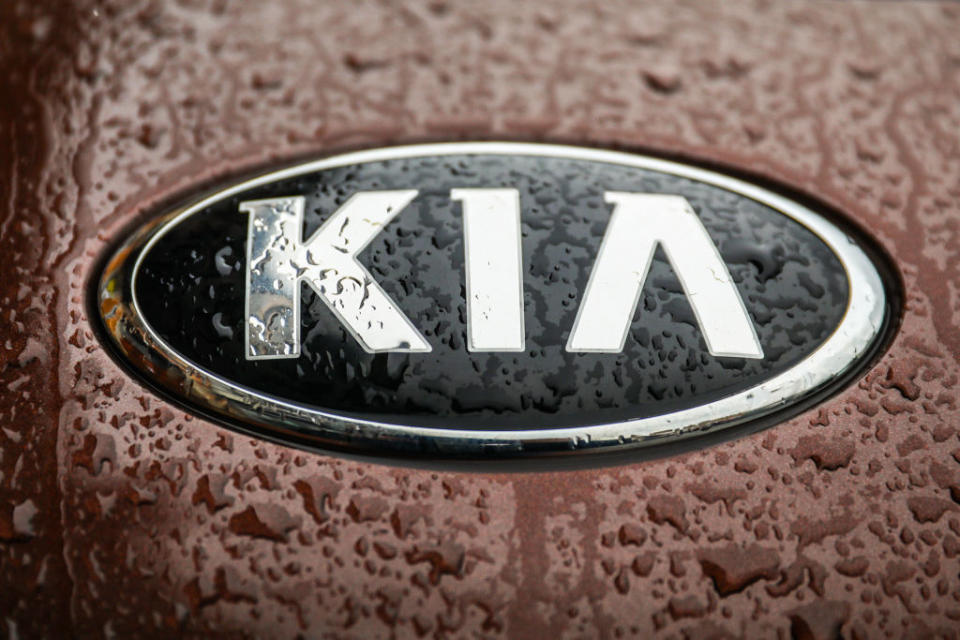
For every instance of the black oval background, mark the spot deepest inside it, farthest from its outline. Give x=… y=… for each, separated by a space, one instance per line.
x=190 y=289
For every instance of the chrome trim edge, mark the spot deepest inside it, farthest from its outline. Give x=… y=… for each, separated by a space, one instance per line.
x=136 y=340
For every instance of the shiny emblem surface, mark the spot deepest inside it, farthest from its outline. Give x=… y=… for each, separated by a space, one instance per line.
x=476 y=299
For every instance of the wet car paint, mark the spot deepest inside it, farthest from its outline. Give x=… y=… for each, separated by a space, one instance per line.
x=121 y=513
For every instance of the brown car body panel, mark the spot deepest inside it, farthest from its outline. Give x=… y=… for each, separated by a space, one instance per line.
x=122 y=514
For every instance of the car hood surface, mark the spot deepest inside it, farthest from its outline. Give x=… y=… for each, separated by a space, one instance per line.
x=120 y=513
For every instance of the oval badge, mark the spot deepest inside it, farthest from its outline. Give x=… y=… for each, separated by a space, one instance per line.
x=484 y=299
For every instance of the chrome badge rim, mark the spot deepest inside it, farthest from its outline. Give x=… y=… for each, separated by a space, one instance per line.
x=250 y=410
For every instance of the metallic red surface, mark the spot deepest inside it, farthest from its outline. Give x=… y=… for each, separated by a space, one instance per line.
x=121 y=514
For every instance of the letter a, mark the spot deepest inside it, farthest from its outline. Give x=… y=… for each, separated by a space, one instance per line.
x=639 y=222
